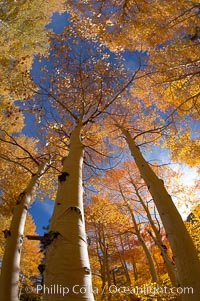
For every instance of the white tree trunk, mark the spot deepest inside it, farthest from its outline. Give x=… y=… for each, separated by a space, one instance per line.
x=11 y=260
x=152 y=269
x=158 y=240
x=67 y=270
x=183 y=249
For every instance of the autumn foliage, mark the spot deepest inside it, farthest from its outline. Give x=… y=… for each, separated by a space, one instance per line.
x=73 y=100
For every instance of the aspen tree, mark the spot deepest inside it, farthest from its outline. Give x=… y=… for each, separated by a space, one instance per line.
x=127 y=181
x=149 y=257
x=184 y=252
x=14 y=239
x=157 y=238
x=83 y=84
x=67 y=262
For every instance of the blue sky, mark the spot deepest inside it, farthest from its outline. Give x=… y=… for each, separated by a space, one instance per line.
x=42 y=210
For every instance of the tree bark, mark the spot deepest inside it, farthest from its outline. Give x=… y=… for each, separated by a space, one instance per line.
x=11 y=260
x=123 y=262
x=67 y=271
x=104 y=248
x=154 y=275
x=135 y=272
x=158 y=240
x=126 y=273
x=183 y=249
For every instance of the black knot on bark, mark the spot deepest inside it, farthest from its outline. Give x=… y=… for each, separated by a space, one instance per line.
x=164 y=247
x=48 y=238
x=21 y=238
x=89 y=242
x=76 y=209
x=6 y=233
x=87 y=270
x=20 y=198
x=63 y=176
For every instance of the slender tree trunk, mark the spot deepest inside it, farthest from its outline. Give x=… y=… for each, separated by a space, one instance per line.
x=100 y=259
x=158 y=241
x=11 y=261
x=124 y=265
x=123 y=262
x=152 y=269
x=135 y=272
x=167 y=262
x=67 y=271
x=154 y=275
x=183 y=249
x=133 y=262
x=105 y=271
x=106 y=261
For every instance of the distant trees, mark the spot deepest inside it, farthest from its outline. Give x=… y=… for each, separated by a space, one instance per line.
x=122 y=233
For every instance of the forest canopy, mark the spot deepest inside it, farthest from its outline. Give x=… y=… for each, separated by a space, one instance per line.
x=99 y=120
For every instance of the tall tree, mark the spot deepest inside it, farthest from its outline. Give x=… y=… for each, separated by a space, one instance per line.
x=158 y=237
x=148 y=254
x=14 y=151
x=30 y=257
x=125 y=183
x=78 y=84
x=184 y=252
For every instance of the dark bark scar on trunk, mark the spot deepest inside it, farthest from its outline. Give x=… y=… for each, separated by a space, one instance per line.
x=63 y=176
